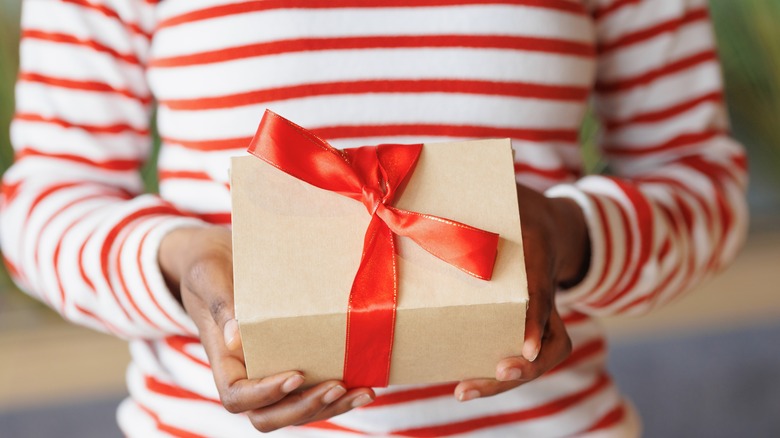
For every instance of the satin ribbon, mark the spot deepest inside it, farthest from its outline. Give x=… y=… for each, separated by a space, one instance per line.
x=373 y=175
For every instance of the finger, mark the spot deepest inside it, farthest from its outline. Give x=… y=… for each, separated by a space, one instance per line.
x=354 y=398
x=556 y=348
x=211 y=280
x=233 y=337
x=539 y=305
x=515 y=371
x=297 y=408
x=477 y=388
x=237 y=393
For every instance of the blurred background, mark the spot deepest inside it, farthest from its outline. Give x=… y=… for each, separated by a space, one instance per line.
x=706 y=365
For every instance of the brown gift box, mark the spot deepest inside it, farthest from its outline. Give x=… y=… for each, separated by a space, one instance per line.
x=296 y=249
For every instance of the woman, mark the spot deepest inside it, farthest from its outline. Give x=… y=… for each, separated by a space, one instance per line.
x=79 y=233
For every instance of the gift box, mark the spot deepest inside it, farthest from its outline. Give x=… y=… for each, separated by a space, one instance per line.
x=396 y=264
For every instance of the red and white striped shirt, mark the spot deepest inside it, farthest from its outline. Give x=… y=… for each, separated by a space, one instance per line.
x=79 y=234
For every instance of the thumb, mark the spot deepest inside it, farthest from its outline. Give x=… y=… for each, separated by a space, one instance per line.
x=211 y=280
x=232 y=335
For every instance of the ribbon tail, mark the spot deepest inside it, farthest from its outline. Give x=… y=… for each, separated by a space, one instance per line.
x=372 y=304
x=470 y=249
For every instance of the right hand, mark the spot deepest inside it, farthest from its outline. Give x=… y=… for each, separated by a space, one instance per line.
x=198 y=265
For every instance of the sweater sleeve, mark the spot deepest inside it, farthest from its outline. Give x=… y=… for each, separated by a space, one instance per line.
x=673 y=211
x=77 y=231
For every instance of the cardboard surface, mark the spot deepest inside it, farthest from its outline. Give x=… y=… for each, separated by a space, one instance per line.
x=297 y=248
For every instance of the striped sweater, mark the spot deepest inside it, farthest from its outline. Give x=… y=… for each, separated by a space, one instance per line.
x=79 y=234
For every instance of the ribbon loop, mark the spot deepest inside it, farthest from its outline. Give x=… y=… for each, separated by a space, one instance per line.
x=373 y=175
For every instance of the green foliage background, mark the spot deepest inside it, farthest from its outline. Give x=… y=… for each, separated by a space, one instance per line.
x=749 y=45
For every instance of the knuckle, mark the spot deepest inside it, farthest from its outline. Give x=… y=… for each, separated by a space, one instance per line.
x=311 y=407
x=230 y=401
x=231 y=406
x=217 y=307
x=202 y=269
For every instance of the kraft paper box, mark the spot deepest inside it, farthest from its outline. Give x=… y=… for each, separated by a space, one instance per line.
x=297 y=248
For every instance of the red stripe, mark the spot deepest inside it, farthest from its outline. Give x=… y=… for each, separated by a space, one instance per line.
x=579 y=354
x=610 y=419
x=121 y=276
x=654 y=294
x=492 y=88
x=575 y=317
x=111 y=14
x=149 y=293
x=410 y=395
x=684 y=188
x=717 y=176
x=341 y=132
x=601 y=13
x=690 y=16
x=544 y=410
x=211 y=145
x=605 y=229
x=70 y=39
x=740 y=161
x=680 y=141
x=558 y=173
x=82 y=271
x=43 y=195
x=247 y=7
x=180 y=343
x=666 y=113
x=327 y=425
x=163 y=427
x=688 y=221
x=33 y=205
x=168 y=390
x=12 y=269
x=652 y=75
x=73 y=84
x=113 y=165
x=664 y=250
x=547 y=45
x=468 y=131
x=108 y=326
x=56 y=258
x=447 y=389
x=118 y=128
x=112 y=235
x=55 y=214
x=184 y=174
x=645 y=222
x=10 y=190
x=215 y=218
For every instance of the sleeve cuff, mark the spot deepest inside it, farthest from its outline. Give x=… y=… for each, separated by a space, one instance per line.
x=596 y=270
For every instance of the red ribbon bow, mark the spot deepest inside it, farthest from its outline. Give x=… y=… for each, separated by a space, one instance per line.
x=373 y=175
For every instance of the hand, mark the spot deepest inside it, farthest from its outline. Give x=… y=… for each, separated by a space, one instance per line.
x=198 y=266
x=557 y=248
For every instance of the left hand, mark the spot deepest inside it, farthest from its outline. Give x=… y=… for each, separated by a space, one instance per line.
x=557 y=247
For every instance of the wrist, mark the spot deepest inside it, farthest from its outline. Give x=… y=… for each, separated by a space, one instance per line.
x=572 y=242
x=171 y=254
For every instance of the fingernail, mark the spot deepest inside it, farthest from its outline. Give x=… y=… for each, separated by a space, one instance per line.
x=231 y=331
x=292 y=383
x=471 y=394
x=510 y=374
x=362 y=400
x=530 y=351
x=333 y=394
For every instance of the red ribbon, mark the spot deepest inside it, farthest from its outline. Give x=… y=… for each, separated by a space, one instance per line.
x=373 y=175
